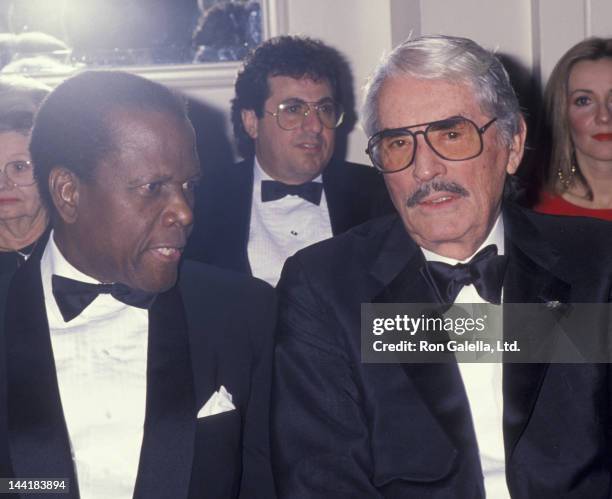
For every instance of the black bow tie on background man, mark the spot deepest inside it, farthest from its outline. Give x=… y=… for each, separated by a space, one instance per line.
x=271 y=190
x=72 y=297
x=485 y=271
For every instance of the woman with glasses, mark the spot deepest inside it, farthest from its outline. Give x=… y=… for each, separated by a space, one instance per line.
x=578 y=99
x=23 y=218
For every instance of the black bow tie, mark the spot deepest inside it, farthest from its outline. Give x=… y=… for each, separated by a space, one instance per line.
x=271 y=190
x=485 y=271
x=73 y=297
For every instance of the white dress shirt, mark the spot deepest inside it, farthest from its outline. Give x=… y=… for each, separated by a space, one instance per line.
x=101 y=363
x=280 y=228
x=483 y=386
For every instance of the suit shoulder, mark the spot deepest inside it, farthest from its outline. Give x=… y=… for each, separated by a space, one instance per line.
x=573 y=232
x=241 y=306
x=363 y=186
x=199 y=276
x=228 y=174
x=357 y=166
x=578 y=246
x=359 y=242
x=354 y=169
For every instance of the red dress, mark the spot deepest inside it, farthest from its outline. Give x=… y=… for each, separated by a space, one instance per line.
x=554 y=204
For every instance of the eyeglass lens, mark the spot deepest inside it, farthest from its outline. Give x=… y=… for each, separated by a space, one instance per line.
x=454 y=139
x=20 y=172
x=292 y=113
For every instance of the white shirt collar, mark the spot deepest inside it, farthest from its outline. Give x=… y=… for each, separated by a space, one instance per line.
x=54 y=263
x=102 y=348
x=483 y=385
x=279 y=228
x=259 y=174
x=496 y=237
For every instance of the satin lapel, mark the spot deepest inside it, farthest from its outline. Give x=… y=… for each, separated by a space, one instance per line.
x=439 y=385
x=37 y=431
x=339 y=202
x=530 y=278
x=399 y=270
x=244 y=196
x=222 y=218
x=393 y=260
x=169 y=432
x=236 y=217
x=534 y=265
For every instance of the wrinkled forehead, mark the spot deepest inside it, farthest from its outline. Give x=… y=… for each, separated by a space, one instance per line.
x=408 y=100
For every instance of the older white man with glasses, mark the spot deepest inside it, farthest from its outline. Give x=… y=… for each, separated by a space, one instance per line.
x=446 y=133
x=290 y=191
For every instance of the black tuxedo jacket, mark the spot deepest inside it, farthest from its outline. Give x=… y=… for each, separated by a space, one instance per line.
x=345 y=429
x=355 y=193
x=213 y=328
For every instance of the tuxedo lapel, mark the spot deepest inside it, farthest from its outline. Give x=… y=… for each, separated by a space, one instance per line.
x=38 y=437
x=235 y=217
x=399 y=270
x=222 y=218
x=530 y=278
x=397 y=261
x=339 y=202
x=167 y=449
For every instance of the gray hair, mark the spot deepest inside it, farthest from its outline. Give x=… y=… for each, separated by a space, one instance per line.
x=20 y=98
x=452 y=59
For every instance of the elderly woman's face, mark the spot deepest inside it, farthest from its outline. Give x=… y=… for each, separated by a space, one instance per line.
x=16 y=201
x=589 y=109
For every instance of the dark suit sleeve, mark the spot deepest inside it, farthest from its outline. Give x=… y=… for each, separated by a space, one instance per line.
x=5 y=466
x=257 y=481
x=320 y=438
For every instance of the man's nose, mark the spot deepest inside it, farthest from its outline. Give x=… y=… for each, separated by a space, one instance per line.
x=427 y=164
x=312 y=122
x=179 y=210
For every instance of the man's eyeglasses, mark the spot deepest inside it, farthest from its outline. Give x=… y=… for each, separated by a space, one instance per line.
x=454 y=139
x=290 y=114
x=20 y=172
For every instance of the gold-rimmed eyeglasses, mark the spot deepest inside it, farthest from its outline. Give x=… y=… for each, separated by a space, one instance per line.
x=455 y=139
x=19 y=172
x=290 y=114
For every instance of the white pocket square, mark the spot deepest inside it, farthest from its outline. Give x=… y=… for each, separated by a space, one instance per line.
x=220 y=401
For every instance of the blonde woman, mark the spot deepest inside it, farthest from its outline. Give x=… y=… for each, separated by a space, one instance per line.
x=578 y=100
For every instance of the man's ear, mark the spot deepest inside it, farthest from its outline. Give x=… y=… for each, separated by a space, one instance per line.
x=517 y=147
x=64 y=188
x=250 y=122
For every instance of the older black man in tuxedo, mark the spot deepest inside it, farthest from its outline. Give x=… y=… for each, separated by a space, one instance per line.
x=446 y=132
x=125 y=371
